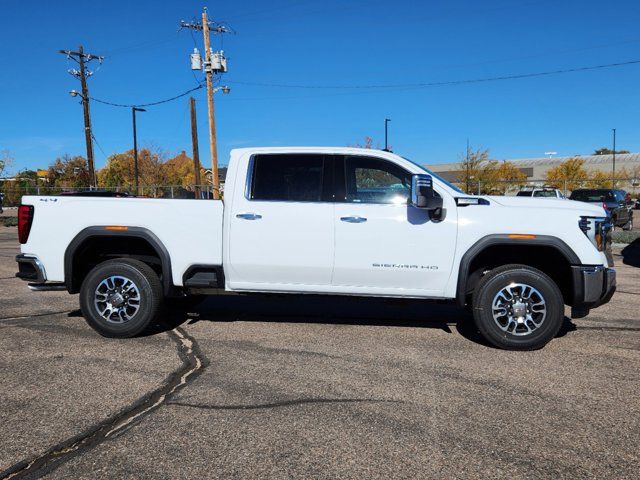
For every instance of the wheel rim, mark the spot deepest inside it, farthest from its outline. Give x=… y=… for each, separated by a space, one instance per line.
x=519 y=309
x=117 y=299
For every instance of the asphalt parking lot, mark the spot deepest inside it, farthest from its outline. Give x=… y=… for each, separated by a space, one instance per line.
x=313 y=387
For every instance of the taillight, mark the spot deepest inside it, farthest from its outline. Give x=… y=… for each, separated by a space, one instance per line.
x=25 y=218
x=604 y=205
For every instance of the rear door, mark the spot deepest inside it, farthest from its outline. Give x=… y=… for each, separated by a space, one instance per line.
x=281 y=225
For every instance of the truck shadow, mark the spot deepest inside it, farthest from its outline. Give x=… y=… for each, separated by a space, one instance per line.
x=631 y=253
x=332 y=310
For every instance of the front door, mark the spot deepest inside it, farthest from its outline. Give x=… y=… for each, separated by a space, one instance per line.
x=383 y=245
x=281 y=225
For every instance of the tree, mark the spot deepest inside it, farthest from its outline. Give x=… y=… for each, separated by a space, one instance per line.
x=179 y=171
x=569 y=175
x=23 y=183
x=69 y=172
x=476 y=172
x=606 y=151
x=6 y=160
x=508 y=175
x=368 y=144
x=599 y=179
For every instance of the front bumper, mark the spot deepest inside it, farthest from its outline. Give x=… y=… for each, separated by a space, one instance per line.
x=593 y=285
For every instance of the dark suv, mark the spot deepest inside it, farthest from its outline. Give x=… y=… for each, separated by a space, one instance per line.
x=613 y=202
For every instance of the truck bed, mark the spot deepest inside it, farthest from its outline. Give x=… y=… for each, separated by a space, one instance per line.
x=191 y=230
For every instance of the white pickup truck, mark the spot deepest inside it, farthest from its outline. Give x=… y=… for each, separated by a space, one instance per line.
x=339 y=221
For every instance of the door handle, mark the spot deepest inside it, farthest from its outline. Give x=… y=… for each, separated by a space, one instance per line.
x=249 y=216
x=353 y=219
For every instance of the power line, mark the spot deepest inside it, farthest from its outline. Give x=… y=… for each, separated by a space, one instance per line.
x=95 y=140
x=439 y=84
x=166 y=100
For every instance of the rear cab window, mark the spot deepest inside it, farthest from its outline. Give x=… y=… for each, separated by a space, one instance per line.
x=290 y=178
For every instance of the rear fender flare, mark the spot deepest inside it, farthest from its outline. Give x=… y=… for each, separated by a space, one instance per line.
x=101 y=231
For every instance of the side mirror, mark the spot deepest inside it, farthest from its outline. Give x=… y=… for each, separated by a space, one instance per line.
x=422 y=194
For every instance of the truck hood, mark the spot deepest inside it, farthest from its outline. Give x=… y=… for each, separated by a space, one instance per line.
x=551 y=203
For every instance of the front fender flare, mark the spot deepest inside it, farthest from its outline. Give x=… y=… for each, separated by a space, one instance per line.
x=505 y=239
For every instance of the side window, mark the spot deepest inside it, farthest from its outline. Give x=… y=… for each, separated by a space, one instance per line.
x=290 y=177
x=372 y=180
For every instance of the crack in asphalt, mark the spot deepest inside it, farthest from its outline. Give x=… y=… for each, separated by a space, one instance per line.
x=611 y=329
x=284 y=403
x=45 y=314
x=193 y=362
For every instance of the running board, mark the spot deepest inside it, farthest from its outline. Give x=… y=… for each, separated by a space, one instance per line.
x=47 y=287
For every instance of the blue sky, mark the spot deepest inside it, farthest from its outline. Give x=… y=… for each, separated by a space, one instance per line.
x=327 y=43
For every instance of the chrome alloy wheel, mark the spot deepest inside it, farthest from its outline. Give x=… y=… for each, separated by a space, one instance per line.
x=519 y=309
x=117 y=299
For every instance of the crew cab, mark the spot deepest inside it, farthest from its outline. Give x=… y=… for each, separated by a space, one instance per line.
x=339 y=221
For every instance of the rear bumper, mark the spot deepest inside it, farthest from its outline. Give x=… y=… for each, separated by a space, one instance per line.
x=30 y=269
x=593 y=285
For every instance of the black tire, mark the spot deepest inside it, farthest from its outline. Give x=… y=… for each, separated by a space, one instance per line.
x=149 y=298
x=503 y=277
x=629 y=225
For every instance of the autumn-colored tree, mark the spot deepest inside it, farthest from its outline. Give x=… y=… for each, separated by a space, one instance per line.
x=120 y=172
x=599 y=179
x=569 y=175
x=476 y=173
x=368 y=144
x=179 y=171
x=68 y=172
x=23 y=183
x=509 y=176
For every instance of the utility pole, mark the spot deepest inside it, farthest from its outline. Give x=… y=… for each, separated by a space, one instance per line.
x=194 y=143
x=135 y=148
x=613 y=179
x=467 y=168
x=212 y=119
x=82 y=74
x=386 y=134
x=215 y=63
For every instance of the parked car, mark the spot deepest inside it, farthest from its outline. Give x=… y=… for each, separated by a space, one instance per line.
x=613 y=201
x=335 y=221
x=546 y=192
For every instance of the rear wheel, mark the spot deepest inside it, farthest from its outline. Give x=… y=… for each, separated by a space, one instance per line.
x=121 y=297
x=517 y=307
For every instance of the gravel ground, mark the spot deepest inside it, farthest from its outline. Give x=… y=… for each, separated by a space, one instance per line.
x=317 y=387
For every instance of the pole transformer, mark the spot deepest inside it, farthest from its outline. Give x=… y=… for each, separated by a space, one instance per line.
x=82 y=58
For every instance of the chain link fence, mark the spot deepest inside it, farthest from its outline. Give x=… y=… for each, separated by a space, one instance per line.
x=12 y=192
x=506 y=187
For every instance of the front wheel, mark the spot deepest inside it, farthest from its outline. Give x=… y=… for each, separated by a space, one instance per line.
x=120 y=298
x=629 y=225
x=517 y=307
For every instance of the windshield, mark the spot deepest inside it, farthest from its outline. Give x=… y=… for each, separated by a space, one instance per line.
x=447 y=183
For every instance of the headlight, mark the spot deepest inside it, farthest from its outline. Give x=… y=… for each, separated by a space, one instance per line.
x=597 y=230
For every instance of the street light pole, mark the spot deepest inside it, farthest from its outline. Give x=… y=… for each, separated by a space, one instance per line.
x=613 y=179
x=386 y=134
x=135 y=148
